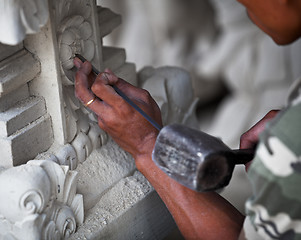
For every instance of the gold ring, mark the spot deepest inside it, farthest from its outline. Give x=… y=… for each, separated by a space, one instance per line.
x=90 y=102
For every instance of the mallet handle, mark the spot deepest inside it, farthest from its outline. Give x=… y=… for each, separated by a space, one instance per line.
x=242 y=156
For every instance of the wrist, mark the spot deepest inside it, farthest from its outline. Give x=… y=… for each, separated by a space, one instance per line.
x=144 y=156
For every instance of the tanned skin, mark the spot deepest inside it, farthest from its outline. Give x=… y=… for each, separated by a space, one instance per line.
x=198 y=215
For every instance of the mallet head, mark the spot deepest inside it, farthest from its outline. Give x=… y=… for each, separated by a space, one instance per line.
x=193 y=158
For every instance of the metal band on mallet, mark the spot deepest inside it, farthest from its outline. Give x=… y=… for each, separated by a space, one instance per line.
x=129 y=101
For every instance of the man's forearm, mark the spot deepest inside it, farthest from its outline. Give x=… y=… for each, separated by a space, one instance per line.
x=198 y=215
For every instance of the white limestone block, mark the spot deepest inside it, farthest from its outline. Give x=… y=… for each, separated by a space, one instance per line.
x=101 y=170
x=7 y=50
x=17 y=70
x=131 y=209
x=171 y=88
x=17 y=18
x=38 y=200
x=26 y=143
x=113 y=58
x=128 y=73
x=107 y=20
x=10 y=99
x=20 y=115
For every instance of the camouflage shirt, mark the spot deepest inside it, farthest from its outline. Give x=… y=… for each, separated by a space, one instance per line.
x=274 y=210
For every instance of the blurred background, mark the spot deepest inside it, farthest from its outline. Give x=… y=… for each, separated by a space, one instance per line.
x=237 y=73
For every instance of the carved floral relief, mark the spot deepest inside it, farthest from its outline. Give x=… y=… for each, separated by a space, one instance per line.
x=77 y=34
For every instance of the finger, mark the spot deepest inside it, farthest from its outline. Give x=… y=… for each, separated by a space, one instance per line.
x=77 y=62
x=81 y=87
x=119 y=82
x=250 y=138
x=83 y=76
x=104 y=91
x=86 y=95
x=127 y=88
x=133 y=92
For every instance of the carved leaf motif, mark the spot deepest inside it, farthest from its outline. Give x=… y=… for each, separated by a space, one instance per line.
x=64 y=220
x=67 y=156
x=70 y=187
x=83 y=122
x=83 y=146
x=71 y=124
x=77 y=208
x=98 y=136
x=50 y=232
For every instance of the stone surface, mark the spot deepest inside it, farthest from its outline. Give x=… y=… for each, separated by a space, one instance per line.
x=17 y=70
x=107 y=20
x=18 y=19
x=128 y=73
x=102 y=169
x=7 y=50
x=171 y=87
x=38 y=200
x=121 y=213
x=113 y=58
x=26 y=143
x=20 y=115
x=10 y=99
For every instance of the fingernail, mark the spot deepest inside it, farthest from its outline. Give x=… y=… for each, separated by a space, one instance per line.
x=77 y=63
x=105 y=76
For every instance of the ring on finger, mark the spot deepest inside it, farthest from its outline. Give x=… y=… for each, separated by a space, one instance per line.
x=90 y=102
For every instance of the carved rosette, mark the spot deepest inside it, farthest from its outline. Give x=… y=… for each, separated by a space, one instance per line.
x=76 y=34
x=39 y=201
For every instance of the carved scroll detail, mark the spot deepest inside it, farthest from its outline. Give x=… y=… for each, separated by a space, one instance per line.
x=39 y=201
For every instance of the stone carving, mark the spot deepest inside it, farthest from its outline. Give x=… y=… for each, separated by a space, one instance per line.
x=74 y=37
x=17 y=18
x=75 y=34
x=38 y=200
x=172 y=89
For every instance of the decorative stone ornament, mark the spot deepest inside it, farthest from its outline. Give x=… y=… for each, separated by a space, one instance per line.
x=41 y=119
x=38 y=200
x=76 y=34
x=18 y=18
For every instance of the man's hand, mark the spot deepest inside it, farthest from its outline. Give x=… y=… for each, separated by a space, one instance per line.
x=250 y=138
x=195 y=213
x=115 y=116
